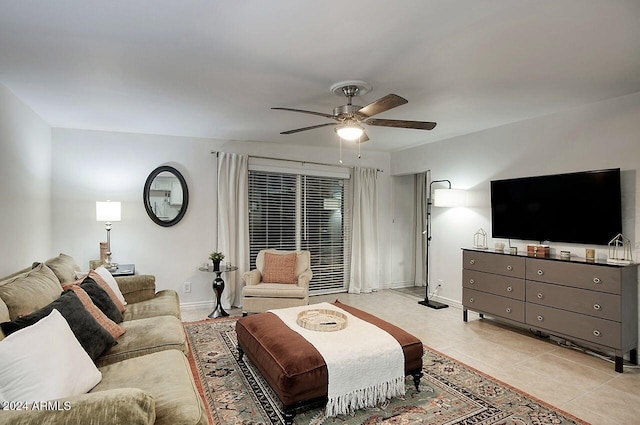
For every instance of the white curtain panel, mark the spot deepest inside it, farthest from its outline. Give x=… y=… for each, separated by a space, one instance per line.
x=233 y=222
x=364 y=251
x=420 y=239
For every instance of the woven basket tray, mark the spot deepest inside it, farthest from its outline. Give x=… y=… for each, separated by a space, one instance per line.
x=322 y=320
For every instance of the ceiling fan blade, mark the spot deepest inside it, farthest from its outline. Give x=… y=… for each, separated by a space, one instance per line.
x=385 y=103
x=306 y=112
x=307 y=128
x=418 y=125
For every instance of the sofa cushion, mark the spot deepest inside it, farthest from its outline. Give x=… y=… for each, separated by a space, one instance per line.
x=145 y=336
x=110 y=281
x=164 y=303
x=122 y=406
x=279 y=268
x=166 y=376
x=101 y=299
x=109 y=325
x=30 y=291
x=4 y=313
x=45 y=362
x=64 y=267
x=93 y=337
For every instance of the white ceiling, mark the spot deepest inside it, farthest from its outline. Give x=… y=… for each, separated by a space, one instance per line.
x=213 y=68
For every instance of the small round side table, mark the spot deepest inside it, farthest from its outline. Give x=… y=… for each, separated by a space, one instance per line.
x=218 y=288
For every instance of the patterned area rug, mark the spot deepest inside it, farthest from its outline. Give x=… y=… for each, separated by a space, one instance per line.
x=450 y=392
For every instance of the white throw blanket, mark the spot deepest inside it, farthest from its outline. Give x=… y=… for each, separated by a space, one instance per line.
x=365 y=364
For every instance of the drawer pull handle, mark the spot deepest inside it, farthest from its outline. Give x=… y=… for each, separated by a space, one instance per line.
x=596 y=280
x=472 y=262
x=540 y=296
x=472 y=281
x=597 y=307
x=596 y=333
x=540 y=272
x=509 y=268
x=540 y=318
x=508 y=310
x=470 y=300
x=509 y=289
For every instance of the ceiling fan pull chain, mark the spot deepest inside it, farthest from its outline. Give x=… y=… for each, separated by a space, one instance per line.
x=359 y=143
x=340 y=149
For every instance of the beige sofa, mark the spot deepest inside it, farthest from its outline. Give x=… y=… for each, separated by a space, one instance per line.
x=146 y=377
x=259 y=296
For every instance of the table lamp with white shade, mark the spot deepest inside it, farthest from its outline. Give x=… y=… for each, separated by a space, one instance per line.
x=107 y=212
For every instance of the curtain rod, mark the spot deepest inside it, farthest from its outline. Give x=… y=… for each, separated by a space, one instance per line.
x=302 y=162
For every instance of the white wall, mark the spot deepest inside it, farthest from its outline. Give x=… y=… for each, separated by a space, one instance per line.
x=597 y=136
x=25 y=188
x=92 y=165
x=402 y=240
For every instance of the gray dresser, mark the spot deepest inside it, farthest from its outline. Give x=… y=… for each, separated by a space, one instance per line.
x=594 y=304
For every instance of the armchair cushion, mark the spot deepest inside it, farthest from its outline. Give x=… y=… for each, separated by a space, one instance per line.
x=279 y=268
x=275 y=290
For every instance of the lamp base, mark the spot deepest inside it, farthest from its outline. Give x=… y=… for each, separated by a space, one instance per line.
x=433 y=304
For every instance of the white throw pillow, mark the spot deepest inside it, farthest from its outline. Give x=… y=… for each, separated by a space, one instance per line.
x=45 y=361
x=111 y=281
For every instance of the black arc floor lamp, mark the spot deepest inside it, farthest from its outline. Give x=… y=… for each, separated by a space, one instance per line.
x=443 y=198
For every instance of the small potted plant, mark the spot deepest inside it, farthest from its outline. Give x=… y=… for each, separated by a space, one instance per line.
x=216 y=257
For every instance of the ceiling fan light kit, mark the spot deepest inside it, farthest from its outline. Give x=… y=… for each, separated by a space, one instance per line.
x=351 y=117
x=349 y=131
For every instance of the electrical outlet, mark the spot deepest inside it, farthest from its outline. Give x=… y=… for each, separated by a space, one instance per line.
x=187 y=287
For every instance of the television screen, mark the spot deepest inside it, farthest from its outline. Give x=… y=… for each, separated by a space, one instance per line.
x=580 y=207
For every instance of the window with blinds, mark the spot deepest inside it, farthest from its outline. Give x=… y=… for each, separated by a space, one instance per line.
x=290 y=211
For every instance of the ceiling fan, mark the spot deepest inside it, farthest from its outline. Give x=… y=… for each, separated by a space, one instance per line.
x=351 y=117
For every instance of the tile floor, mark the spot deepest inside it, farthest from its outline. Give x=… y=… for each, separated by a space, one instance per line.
x=580 y=384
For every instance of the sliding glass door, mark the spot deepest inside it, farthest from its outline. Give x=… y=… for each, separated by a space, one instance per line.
x=293 y=212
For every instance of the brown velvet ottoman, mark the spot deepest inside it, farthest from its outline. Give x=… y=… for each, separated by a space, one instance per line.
x=294 y=369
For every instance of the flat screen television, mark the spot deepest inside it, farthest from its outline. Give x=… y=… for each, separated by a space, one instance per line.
x=583 y=207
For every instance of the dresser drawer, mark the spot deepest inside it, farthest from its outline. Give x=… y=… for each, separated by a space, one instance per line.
x=494 y=305
x=587 y=276
x=591 y=303
x=599 y=331
x=506 y=265
x=510 y=287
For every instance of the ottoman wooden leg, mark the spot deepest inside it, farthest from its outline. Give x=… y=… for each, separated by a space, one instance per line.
x=240 y=353
x=416 y=380
x=288 y=416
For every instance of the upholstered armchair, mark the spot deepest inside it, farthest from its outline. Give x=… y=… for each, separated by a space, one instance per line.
x=280 y=280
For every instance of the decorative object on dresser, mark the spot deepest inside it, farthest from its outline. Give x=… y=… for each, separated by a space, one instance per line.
x=590 y=303
x=538 y=250
x=108 y=211
x=480 y=239
x=441 y=198
x=620 y=250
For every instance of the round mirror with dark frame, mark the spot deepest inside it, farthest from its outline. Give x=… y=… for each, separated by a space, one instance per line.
x=165 y=196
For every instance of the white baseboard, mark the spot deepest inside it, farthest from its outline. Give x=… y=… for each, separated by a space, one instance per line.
x=196 y=305
x=397 y=285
